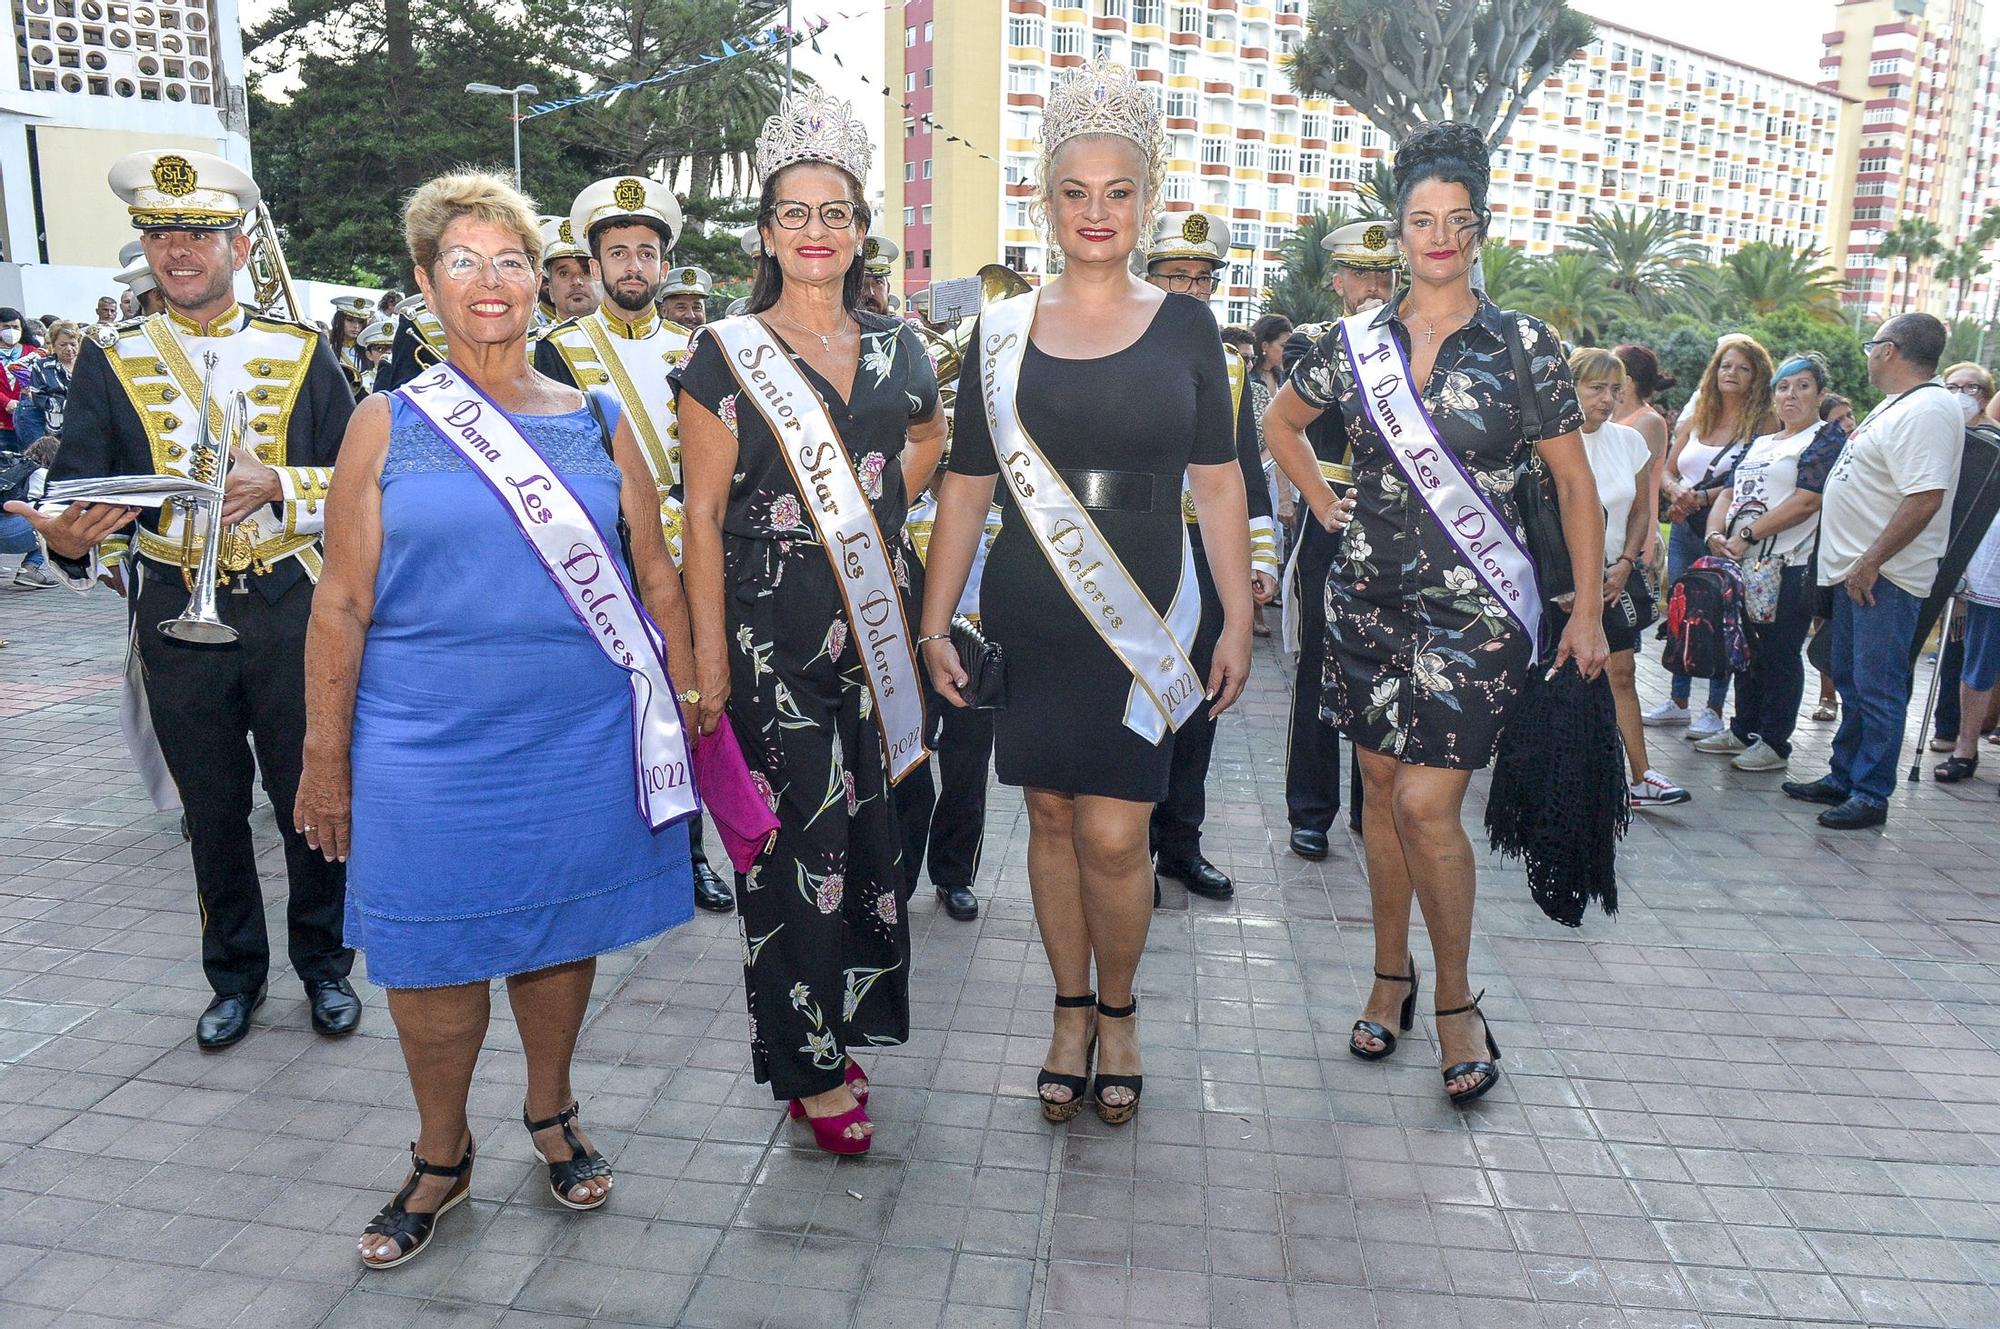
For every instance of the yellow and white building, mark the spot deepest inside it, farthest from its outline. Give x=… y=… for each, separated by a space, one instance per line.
x=1633 y=121
x=82 y=83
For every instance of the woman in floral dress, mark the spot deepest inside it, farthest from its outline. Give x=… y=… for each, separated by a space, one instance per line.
x=826 y=944
x=1423 y=662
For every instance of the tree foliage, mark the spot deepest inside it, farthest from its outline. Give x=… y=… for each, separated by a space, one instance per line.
x=1404 y=62
x=1647 y=253
x=1303 y=291
x=1574 y=294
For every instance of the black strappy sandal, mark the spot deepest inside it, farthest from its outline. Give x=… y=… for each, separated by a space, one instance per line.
x=1117 y=1114
x=1488 y=1072
x=1077 y=1085
x=411 y=1231
x=1954 y=769
x=1376 y=1031
x=581 y=1166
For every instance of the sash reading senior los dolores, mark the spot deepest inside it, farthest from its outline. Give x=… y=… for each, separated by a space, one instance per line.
x=1482 y=536
x=1165 y=687
x=823 y=471
x=584 y=568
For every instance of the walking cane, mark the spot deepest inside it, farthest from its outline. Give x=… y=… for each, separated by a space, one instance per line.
x=1930 y=698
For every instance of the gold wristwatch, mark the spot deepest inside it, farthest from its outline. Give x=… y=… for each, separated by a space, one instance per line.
x=689 y=697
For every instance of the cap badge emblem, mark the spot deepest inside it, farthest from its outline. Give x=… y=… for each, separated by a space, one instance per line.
x=173 y=176
x=564 y=233
x=1195 y=229
x=1375 y=237
x=629 y=194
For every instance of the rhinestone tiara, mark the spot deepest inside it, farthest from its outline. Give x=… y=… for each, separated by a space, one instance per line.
x=1102 y=98
x=813 y=127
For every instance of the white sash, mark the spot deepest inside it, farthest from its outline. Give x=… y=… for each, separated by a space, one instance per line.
x=584 y=567
x=1165 y=687
x=1482 y=535
x=820 y=467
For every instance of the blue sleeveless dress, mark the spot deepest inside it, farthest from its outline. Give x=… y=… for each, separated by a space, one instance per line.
x=496 y=820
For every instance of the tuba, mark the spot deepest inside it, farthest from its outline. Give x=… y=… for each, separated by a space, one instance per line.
x=997 y=282
x=200 y=623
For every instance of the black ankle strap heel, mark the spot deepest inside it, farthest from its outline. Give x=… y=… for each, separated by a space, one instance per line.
x=1063 y=1111
x=1488 y=1072
x=1376 y=1031
x=1117 y=1114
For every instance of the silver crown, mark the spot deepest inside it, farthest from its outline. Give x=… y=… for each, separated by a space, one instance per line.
x=813 y=127
x=1102 y=98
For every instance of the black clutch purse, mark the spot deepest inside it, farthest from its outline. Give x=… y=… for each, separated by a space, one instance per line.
x=985 y=666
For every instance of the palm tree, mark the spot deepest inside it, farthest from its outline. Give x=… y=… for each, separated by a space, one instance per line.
x=1402 y=64
x=1573 y=294
x=1303 y=289
x=1767 y=278
x=1508 y=273
x=1961 y=266
x=1376 y=190
x=1647 y=252
x=1912 y=240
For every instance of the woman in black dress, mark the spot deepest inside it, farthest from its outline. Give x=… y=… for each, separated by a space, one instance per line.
x=1125 y=388
x=1423 y=661
x=826 y=944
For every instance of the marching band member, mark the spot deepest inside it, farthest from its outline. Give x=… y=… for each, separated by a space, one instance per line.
x=375 y=341
x=628 y=226
x=420 y=343
x=684 y=296
x=878 y=264
x=569 y=283
x=1364 y=255
x=795 y=574
x=1188 y=250
x=132 y=410
x=351 y=315
x=143 y=287
x=477 y=618
x=1091 y=589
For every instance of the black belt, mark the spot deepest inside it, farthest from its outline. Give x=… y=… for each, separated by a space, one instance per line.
x=1124 y=491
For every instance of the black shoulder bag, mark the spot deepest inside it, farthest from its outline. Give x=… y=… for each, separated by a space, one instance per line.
x=1534 y=487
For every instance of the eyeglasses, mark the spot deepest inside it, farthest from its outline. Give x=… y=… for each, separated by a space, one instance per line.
x=1966 y=389
x=835 y=215
x=462 y=264
x=1873 y=342
x=1181 y=284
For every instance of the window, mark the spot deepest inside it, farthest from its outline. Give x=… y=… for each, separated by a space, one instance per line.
x=1180 y=189
x=1281 y=161
x=1214 y=152
x=909 y=128
x=927 y=222
x=1187 y=18
x=1149 y=11
x=1343 y=131
x=1017 y=214
x=909 y=217
x=1246 y=154
x=1369 y=137
x=929 y=74
x=1343 y=168
x=909 y=83
x=1024 y=79
x=927 y=36
x=1180 y=104
x=1177 y=62
x=927 y=168
x=927 y=260
x=1066 y=39
x=1100 y=46
x=1312 y=163
x=1312 y=124
x=909 y=37
x=1247 y=235
x=909 y=171
x=1145 y=55
x=1114 y=8
x=1018 y=171
x=1025 y=30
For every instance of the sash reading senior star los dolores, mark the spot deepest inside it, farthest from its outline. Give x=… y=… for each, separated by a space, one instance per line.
x=1165 y=687
x=1483 y=537
x=584 y=567
x=823 y=471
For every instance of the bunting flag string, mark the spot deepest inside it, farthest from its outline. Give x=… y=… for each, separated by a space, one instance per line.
x=771 y=40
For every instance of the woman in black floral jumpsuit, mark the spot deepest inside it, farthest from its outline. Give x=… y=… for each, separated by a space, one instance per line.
x=1423 y=663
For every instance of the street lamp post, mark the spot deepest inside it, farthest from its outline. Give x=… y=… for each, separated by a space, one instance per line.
x=516 y=92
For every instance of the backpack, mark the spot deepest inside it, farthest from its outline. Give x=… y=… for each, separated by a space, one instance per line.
x=1705 y=636
x=15 y=472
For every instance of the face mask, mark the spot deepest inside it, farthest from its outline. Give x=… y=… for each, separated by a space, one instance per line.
x=9 y=336
x=1968 y=404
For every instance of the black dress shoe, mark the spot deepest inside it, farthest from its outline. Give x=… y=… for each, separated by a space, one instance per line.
x=1822 y=790
x=709 y=892
x=1309 y=843
x=959 y=902
x=1200 y=876
x=227 y=1019
x=336 y=1011
x=1853 y=815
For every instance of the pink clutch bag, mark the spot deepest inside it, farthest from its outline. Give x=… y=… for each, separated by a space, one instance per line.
x=732 y=797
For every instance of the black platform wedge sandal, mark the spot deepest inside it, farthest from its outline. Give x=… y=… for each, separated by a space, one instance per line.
x=1077 y=1085
x=1117 y=1114
x=411 y=1232
x=581 y=1166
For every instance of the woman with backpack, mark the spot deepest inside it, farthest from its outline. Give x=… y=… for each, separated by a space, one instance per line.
x=1767 y=520
x=1732 y=407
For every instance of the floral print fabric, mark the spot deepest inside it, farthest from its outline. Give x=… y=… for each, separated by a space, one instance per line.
x=825 y=939
x=1422 y=661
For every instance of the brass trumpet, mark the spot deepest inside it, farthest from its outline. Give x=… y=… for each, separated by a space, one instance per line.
x=208 y=462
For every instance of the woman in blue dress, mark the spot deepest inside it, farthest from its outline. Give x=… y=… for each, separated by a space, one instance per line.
x=469 y=746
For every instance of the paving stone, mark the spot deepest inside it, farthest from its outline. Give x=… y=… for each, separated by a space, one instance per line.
x=1763 y=1095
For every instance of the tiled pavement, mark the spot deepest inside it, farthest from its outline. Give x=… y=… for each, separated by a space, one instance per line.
x=1764 y=1094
